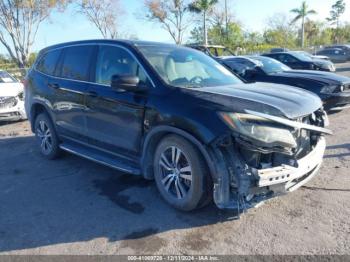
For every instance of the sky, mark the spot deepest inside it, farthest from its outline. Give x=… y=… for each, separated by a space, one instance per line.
x=252 y=14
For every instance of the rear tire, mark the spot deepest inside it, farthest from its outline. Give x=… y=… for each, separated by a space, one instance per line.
x=46 y=136
x=181 y=174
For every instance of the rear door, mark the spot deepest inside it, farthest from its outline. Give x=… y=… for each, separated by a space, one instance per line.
x=115 y=117
x=70 y=88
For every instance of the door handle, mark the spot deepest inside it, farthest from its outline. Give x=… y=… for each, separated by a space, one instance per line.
x=53 y=85
x=92 y=94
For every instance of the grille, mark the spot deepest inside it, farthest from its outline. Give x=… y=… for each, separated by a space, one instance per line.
x=7 y=102
x=347 y=87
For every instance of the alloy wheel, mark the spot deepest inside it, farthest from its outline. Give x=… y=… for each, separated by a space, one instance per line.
x=45 y=137
x=176 y=172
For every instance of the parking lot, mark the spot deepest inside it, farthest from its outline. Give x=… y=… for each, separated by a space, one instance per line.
x=74 y=206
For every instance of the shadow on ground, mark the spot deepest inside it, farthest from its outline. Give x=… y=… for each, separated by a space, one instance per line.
x=342 y=147
x=70 y=200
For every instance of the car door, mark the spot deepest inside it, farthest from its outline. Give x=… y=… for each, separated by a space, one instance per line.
x=115 y=117
x=70 y=89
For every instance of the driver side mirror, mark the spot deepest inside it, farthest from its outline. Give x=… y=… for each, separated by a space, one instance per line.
x=127 y=83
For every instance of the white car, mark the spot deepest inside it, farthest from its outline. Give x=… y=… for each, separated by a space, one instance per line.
x=11 y=98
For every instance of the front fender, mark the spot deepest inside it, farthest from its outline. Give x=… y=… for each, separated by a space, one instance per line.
x=157 y=133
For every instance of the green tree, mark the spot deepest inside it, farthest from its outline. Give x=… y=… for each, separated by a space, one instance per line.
x=280 y=32
x=203 y=7
x=301 y=14
x=337 y=10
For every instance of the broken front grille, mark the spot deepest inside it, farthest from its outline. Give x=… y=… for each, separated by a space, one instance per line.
x=7 y=102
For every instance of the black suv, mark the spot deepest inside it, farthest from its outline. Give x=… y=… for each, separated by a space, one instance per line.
x=175 y=115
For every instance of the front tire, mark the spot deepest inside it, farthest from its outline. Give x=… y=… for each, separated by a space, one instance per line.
x=181 y=174
x=46 y=136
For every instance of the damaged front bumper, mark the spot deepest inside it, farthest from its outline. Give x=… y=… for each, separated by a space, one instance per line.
x=242 y=187
x=293 y=177
x=12 y=111
x=247 y=173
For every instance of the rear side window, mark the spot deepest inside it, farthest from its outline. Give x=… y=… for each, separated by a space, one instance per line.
x=76 y=63
x=48 y=62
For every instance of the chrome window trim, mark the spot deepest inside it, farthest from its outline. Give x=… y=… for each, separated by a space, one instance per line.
x=94 y=44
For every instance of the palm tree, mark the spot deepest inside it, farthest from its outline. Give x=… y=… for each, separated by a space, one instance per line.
x=204 y=7
x=302 y=13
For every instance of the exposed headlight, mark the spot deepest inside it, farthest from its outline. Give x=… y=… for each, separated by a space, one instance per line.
x=341 y=88
x=260 y=129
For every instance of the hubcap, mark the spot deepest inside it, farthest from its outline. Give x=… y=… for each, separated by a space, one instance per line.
x=44 y=135
x=176 y=172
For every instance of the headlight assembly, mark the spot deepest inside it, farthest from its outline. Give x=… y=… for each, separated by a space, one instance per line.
x=260 y=129
x=328 y=89
x=21 y=96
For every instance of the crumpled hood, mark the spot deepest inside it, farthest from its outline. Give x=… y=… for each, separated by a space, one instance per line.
x=273 y=99
x=10 y=89
x=319 y=76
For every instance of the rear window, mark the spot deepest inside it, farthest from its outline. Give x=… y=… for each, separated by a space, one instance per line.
x=76 y=63
x=48 y=62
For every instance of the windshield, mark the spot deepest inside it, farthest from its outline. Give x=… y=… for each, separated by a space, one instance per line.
x=185 y=67
x=6 y=78
x=270 y=66
x=301 y=56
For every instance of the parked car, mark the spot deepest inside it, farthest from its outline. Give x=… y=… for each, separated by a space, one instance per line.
x=297 y=60
x=213 y=50
x=336 y=55
x=333 y=89
x=176 y=115
x=345 y=48
x=11 y=98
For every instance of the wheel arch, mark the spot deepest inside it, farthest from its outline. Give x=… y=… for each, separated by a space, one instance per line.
x=36 y=109
x=156 y=135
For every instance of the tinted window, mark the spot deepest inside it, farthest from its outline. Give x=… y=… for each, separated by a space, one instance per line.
x=302 y=56
x=284 y=58
x=76 y=63
x=48 y=62
x=240 y=65
x=116 y=61
x=270 y=66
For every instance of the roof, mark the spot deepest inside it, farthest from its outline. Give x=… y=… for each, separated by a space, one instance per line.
x=207 y=46
x=110 y=41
